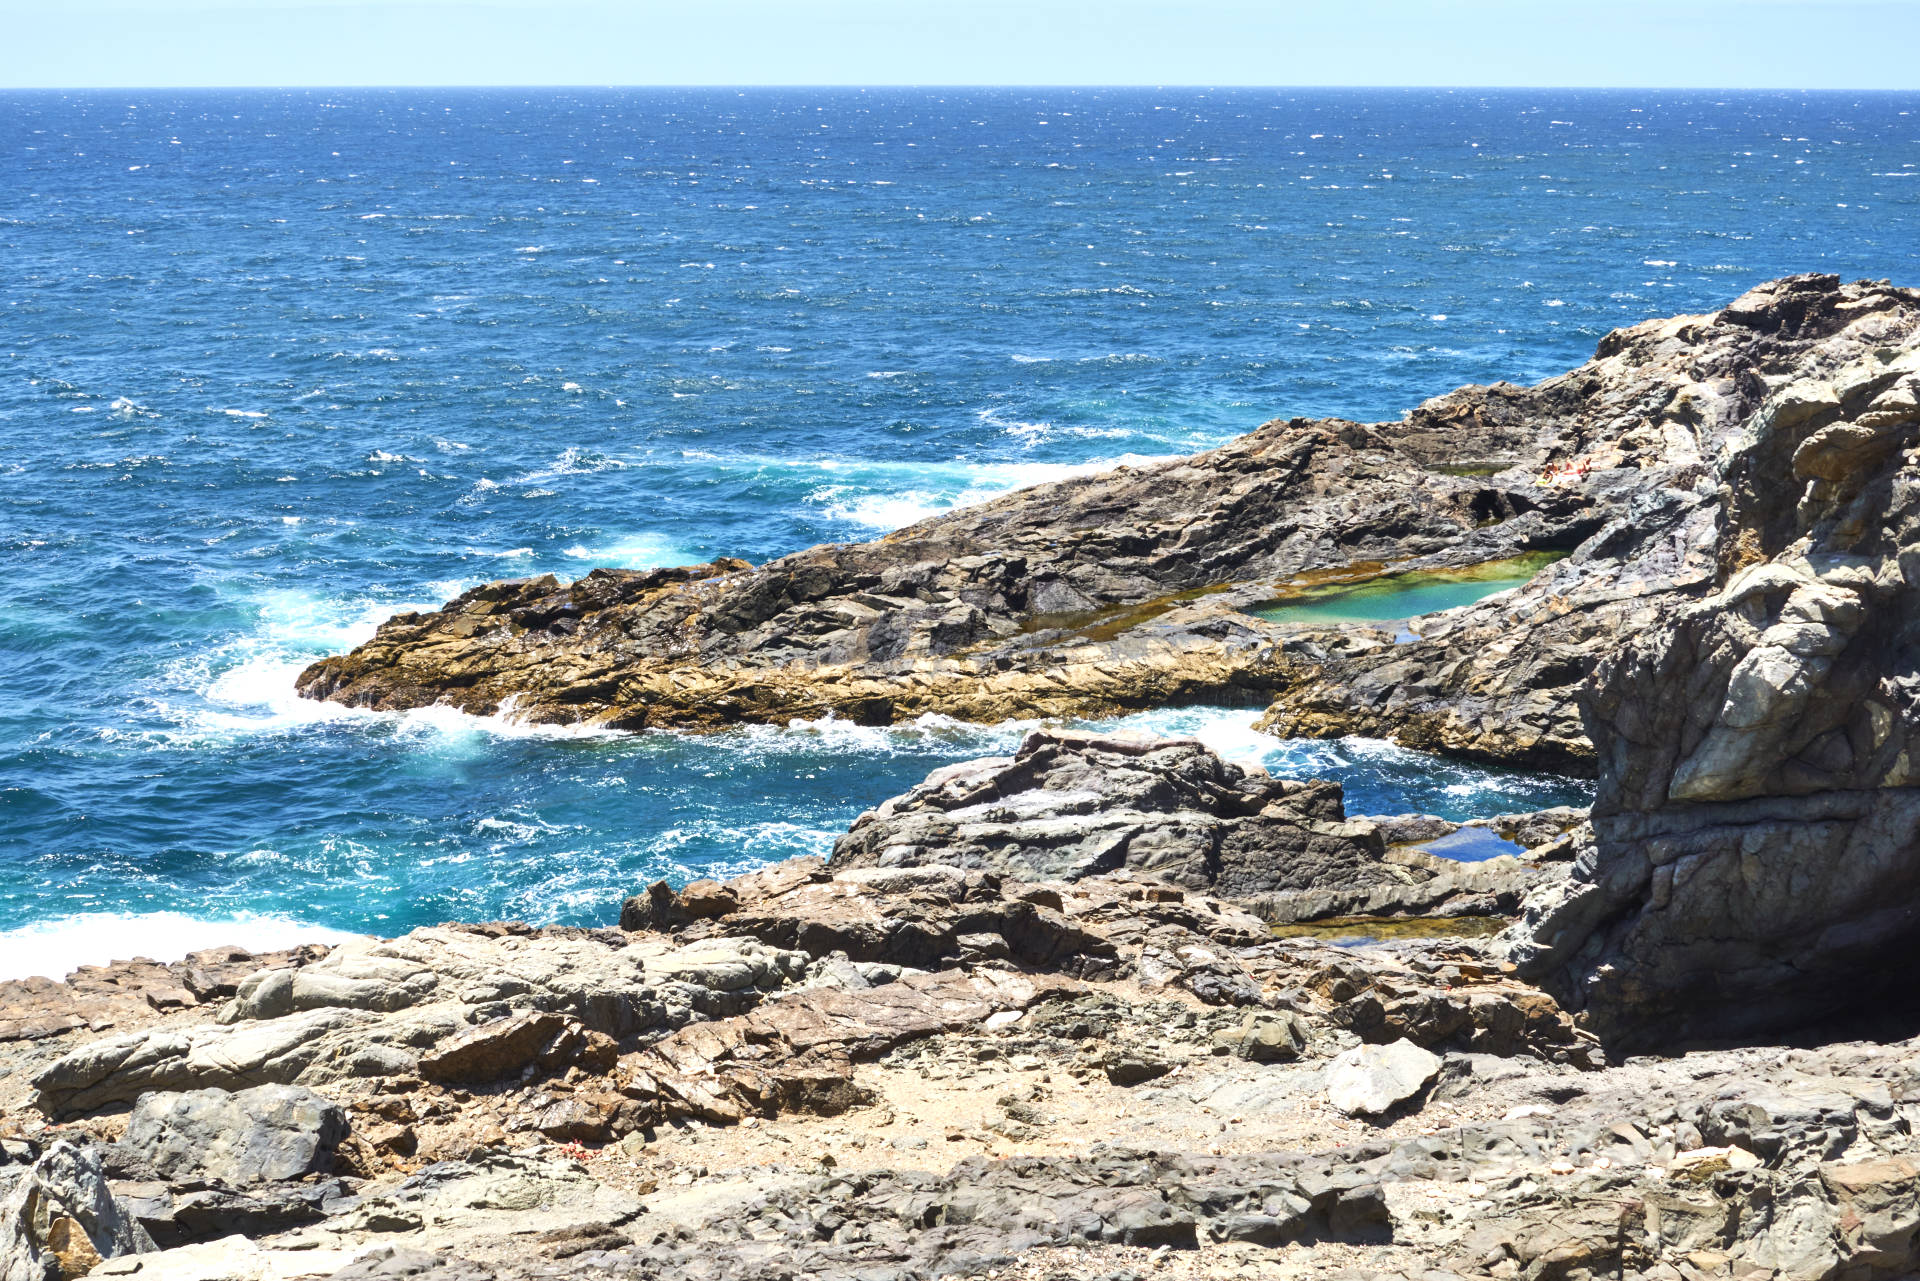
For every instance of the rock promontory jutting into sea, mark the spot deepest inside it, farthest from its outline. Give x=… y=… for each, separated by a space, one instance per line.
x=1094 y=1008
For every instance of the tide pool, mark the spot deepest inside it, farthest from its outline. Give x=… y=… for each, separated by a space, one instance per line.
x=1393 y=597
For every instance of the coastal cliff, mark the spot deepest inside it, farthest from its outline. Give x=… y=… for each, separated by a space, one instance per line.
x=1113 y=1006
x=1756 y=864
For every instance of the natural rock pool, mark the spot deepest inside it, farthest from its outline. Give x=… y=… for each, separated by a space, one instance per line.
x=1389 y=597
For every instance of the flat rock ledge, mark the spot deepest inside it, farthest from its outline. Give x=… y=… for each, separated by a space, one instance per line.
x=911 y=1072
x=498 y=1100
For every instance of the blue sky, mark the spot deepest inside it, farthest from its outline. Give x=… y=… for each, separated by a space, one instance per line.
x=1841 y=44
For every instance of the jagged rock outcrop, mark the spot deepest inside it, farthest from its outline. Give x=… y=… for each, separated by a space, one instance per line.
x=59 y=1219
x=1132 y=588
x=1068 y=805
x=1756 y=861
x=868 y=926
x=1121 y=590
x=418 y=1005
x=1652 y=429
x=1047 y=965
x=1794 y=1165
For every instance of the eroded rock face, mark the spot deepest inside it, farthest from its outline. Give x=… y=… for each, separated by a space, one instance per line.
x=423 y=1003
x=497 y=1194
x=1120 y=590
x=1130 y=589
x=269 y=1134
x=1071 y=805
x=1667 y=413
x=1756 y=860
x=870 y=926
x=60 y=1220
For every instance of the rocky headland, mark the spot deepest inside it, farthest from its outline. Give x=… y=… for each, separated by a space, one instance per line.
x=1115 y=1007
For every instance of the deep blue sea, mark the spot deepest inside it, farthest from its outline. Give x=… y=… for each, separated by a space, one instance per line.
x=274 y=365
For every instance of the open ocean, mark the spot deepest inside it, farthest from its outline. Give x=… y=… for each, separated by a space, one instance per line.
x=279 y=364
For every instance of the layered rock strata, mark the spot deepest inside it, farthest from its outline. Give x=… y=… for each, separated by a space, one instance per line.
x=1132 y=588
x=1068 y=805
x=1756 y=863
x=972 y=1076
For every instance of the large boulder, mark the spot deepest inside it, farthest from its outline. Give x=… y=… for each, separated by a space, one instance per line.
x=1069 y=805
x=1370 y=1080
x=1757 y=823
x=268 y=1134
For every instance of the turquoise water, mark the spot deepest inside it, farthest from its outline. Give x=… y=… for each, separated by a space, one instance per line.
x=274 y=365
x=1388 y=600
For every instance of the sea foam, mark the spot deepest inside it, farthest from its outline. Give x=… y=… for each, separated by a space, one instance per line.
x=57 y=946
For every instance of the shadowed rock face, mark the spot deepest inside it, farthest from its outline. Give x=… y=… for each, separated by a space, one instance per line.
x=1758 y=820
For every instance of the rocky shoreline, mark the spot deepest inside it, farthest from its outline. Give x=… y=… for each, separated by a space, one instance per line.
x=1060 y=1014
x=893 y=1064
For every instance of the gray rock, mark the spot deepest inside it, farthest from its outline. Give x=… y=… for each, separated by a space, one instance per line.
x=1757 y=823
x=374 y=1009
x=494 y=1195
x=1272 y=1036
x=1070 y=805
x=176 y=1217
x=60 y=1219
x=267 y=1134
x=1370 y=1080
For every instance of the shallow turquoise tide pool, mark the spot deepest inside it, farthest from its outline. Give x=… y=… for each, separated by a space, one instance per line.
x=1361 y=605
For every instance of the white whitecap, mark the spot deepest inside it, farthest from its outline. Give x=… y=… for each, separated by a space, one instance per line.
x=892 y=496
x=888 y=511
x=57 y=946
x=636 y=551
